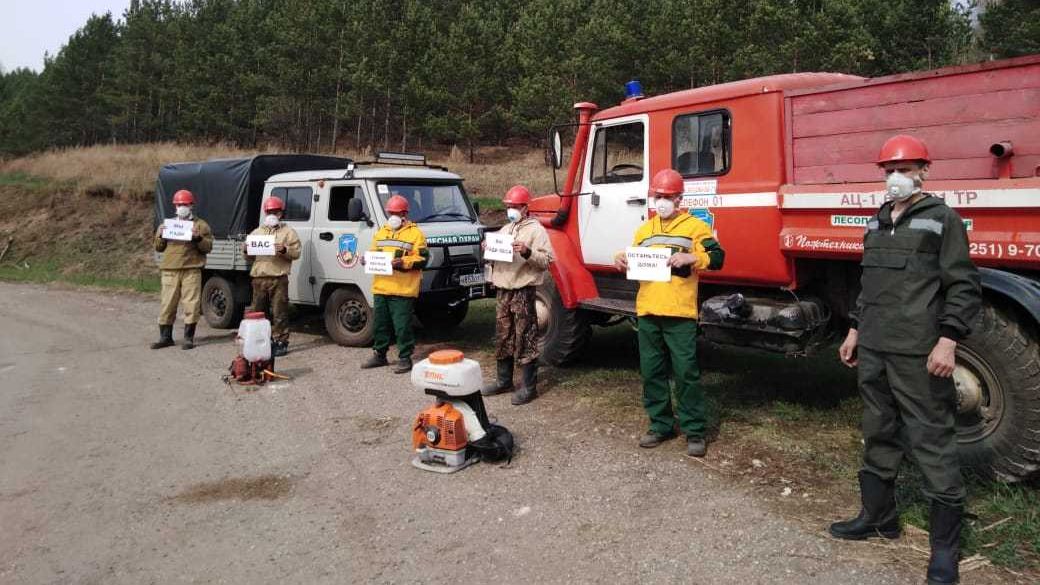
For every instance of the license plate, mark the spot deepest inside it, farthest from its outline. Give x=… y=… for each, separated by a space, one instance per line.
x=471 y=279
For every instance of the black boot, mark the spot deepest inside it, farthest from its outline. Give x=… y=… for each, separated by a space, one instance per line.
x=189 y=336
x=878 y=517
x=165 y=337
x=503 y=380
x=377 y=360
x=944 y=527
x=529 y=390
x=279 y=348
x=404 y=365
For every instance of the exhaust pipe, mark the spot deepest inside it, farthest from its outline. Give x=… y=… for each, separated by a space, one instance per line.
x=1001 y=149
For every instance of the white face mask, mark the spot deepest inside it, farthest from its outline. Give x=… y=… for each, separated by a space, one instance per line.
x=395 y=222
x=183 y=211
x=514 y=215
x=271 y=220
x=900 y=187
x=665 y=207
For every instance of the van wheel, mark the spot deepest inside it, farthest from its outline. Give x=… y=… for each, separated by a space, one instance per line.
x=219 y=306
x=348 y=318
x=563 y=333
x=998 y=398
x=441 y=317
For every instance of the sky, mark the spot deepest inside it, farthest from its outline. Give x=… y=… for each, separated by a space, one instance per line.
x=29 y=28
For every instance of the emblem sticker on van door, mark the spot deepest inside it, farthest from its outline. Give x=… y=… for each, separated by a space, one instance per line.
x=346 y=254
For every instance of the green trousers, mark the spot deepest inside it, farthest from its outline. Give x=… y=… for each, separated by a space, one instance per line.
x=906 y=410
x=393 y=318
x=668 y=349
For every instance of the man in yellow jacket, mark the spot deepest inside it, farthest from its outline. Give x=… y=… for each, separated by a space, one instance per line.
x=270 y=274
x=395 y=294
x=667 y=313
x=516 y=322
x=181 y=268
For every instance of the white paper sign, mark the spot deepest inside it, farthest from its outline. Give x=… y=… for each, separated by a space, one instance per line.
x=175 y=229
x=260 y=245
x=499 y=247
x=650 y=264
x=379 y=263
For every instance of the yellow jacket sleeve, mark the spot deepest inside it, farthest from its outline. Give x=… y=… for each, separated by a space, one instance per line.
x=419 y=255
x=292 y=245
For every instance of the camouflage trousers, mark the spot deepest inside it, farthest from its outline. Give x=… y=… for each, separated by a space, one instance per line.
x=516 y=325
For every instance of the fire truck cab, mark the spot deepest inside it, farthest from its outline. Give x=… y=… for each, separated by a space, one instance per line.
x=782 y=169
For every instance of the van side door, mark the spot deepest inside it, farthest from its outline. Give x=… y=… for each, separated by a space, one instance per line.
x=339 y=243
x=299 y=199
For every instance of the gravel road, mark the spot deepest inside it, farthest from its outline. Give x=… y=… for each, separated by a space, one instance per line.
x=119 y=464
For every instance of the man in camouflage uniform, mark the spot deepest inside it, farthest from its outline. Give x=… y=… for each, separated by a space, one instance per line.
x=920 y=295
x=271 y=273
x=516 y=322
x=181 y=269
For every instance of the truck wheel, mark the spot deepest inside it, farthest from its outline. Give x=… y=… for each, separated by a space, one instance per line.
x=998 y=395
x=563 y=332
x=441 y=317
x=219 y=306
x=348 y=318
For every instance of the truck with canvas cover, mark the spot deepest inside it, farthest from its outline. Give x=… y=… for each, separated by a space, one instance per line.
x=335 y=205
x=782 y=169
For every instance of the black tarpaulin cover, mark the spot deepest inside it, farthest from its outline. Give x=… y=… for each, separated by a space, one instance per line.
x=228 y=191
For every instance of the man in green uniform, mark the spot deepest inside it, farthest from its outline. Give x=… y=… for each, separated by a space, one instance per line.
x=181 y=268
x=920 y=295
x=270 y=274
x=667 y=314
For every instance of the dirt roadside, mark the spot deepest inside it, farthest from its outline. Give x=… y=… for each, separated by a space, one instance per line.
x=123 y=465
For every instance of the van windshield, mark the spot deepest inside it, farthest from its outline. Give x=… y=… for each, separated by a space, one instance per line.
x=430 y=202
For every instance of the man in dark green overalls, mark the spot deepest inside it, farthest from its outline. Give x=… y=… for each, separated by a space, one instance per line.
x=920 y=295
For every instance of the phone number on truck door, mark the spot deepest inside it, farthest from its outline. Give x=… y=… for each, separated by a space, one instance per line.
x=1000 y=250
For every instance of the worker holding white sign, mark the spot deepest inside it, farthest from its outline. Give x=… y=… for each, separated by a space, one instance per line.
x=273 y=247
x=397 y=258
x=184 y=243
x=668 y=251
x=518 y=254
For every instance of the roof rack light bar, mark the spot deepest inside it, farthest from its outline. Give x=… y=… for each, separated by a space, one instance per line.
x=401 y=157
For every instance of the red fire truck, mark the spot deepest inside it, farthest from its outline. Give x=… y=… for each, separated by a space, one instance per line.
x=782 y=169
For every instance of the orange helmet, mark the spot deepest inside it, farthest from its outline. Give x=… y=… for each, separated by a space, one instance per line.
x=517 y=195
x=396 y=204
x=273 y=204
x=666 y=182
x=903 y=147
x=183 y=197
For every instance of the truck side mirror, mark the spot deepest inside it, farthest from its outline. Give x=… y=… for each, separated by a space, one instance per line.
x=556 y=149
x=355 y=210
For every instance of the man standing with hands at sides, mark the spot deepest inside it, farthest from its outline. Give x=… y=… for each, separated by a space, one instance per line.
x=181 y=269
x=516 y=322
x=667 y=313
x=920 y=295
x=271 y=273
x=394 y=294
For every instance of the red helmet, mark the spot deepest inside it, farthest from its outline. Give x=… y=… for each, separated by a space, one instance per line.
x=183 y=197
x=517 y=195
x=396 y=204
x=273 y=204
x=903 y=147
x=666 y=182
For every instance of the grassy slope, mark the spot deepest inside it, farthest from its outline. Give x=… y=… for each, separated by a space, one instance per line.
x=85 y=216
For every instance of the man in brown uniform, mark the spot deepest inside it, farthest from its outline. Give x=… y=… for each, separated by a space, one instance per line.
x=181 y=269
x=271 y=273
x=516 y=323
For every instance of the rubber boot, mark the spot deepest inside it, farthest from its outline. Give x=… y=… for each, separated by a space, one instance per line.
x=503 y=380
x=165 y=337
x=945 y=537
x=404 y=365
x=189 y=336
x=376 y=361
x=279 y=348
x=528 y=391
x=877 y=517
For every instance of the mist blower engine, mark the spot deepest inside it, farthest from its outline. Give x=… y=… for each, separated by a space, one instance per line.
x=455 y=432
